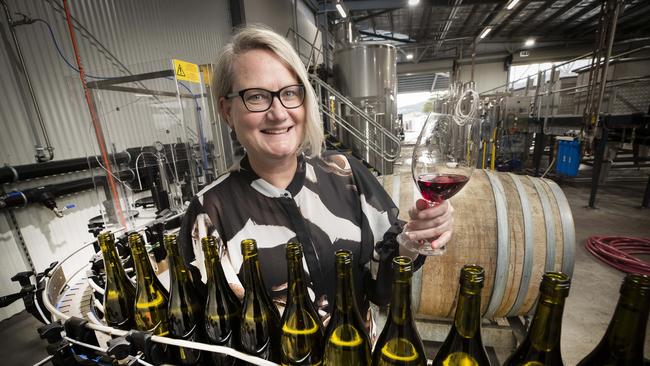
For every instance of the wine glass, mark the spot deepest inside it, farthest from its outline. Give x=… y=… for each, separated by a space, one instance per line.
x=445 y=155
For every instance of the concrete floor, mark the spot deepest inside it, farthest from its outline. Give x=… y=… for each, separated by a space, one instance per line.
x=594 y=290
x=595 y=286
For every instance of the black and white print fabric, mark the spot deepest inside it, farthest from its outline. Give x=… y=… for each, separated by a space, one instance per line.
x=333 y=202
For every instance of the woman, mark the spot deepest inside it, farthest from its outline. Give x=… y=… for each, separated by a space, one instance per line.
x=286 y=188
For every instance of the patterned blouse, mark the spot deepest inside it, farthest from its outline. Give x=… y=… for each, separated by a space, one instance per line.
x=333 y=202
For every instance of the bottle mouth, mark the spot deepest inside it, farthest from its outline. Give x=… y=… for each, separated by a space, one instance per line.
x=343 y=256
x=105 y=235
x=248 y=247
x=208 y=243
x=294 y=250
x=637 y=282
x=208 y=240
x=555 y=282
x=402 y=264
x=135 y=238
x=472 y=274
x=170 y=241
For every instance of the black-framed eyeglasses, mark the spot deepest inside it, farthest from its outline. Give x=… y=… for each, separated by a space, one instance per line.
x=260 y=100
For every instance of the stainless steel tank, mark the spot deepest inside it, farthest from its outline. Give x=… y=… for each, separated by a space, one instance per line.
x=367 y=75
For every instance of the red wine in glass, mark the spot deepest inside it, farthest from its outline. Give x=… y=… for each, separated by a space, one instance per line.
x=438 y=187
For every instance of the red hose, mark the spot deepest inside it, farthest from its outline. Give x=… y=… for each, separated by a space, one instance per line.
x=617 y=251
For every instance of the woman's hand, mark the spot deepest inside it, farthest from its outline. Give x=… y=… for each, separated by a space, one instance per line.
x=433 y=225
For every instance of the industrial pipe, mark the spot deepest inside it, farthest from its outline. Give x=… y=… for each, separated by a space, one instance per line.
x=46 y=195
x=9 y=174
x=40 y=154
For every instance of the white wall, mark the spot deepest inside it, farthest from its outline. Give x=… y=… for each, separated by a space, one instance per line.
x=486 y=76
x=144 y=35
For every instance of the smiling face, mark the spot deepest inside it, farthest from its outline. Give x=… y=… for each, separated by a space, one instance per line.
x=272 y=136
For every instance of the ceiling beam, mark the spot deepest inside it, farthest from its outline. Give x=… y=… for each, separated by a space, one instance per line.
x=553 y=15
x=513 y=14
x=530 y=17
x=487 y=20
x=361 y=5
x=586 y=21
x=371 y=15
x=470 y=16
x=631 y=20
x=388 y=38
x=632 y=16
x=568 y=21
x=448 y=23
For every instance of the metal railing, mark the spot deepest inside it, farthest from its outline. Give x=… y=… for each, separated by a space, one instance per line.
x=312 y=47
x=383 y=143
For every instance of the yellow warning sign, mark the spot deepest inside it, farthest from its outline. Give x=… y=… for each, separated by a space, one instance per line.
x=186 y=71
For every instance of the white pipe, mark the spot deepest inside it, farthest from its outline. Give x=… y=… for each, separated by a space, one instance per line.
x=98 y=304
x=43 y=361
x=86 y=345
x=95 y=286
x=56 y=314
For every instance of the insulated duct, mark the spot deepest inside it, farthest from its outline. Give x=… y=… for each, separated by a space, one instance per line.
x=10 y=174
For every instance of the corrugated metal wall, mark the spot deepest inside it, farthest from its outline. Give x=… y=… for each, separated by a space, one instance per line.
x=142 y=35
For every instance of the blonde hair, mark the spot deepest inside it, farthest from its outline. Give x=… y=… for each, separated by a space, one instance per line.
x=255 y=37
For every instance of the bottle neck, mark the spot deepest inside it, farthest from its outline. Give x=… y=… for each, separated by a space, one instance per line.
x=178 y=272
x=252 y=273
x=143 y=269
x=546 y=327
x=468 y=311
x=345 y=299
x=112 y=263
x=626 y=331
x=297 y=288
x=211 y=262
x=400 y=306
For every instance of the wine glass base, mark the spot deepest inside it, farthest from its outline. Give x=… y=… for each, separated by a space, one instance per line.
x=423 y=247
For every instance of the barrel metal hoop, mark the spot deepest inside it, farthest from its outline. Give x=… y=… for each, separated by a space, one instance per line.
x=550 y=228
x=568 y=228
x=529 y=246
x=503 y=236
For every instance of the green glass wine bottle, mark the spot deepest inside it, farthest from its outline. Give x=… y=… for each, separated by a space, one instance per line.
x=302 y=331
x=150 y=296
x=624 y=339
x=542 y=343
x=222 y=309
x=463 y=345
x=185 y=310
x=119 y=292
x=346 y=340
x=399 y=343
x=260 y=324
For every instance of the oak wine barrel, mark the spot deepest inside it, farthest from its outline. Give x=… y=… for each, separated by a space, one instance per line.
x=517 y=227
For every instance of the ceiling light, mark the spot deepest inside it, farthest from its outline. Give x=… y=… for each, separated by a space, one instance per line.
x=512 y=4
x=529 y=42
x=409 y=56
x=339 y=7
x=415 y=2
x=485 y=32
